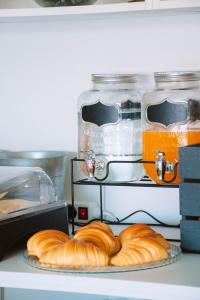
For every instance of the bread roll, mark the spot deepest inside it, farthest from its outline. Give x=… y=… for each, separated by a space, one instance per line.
x=74 y=254
x=99 y=237
x=44 y=240
x=11 y=205
x=139 y=251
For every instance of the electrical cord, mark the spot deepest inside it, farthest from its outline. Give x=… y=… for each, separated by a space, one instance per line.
x=147 y=213
x=119 y=221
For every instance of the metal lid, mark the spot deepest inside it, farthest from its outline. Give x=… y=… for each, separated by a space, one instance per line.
x=173 y=76
x=114 y=78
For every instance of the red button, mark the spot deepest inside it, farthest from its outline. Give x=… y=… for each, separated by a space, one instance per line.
x=83 y=213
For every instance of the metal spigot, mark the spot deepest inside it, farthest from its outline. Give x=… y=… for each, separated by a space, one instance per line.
x=90 y=162
x=163 y=166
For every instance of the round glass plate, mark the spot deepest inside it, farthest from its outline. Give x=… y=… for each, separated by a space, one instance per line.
x=174 y=254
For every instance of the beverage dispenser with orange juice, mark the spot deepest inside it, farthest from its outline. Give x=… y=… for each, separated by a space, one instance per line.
x=171 y=119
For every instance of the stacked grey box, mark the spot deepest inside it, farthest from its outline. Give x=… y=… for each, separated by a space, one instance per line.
x=189 y=160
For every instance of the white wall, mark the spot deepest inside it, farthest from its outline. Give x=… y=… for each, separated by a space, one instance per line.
x=44 y=66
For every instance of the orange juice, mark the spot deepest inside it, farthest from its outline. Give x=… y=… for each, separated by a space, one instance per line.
x=167 y=142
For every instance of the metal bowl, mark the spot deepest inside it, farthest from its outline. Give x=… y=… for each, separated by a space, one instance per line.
x=47 y=3
x=54 y=163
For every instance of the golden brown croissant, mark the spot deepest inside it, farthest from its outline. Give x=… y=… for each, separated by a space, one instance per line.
x=139 y=251
x=74 y=254
x=44 y=240
x=142 y=230
x=99 y=237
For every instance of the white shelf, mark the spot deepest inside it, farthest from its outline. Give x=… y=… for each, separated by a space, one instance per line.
x=179 y=280
x=50 y=12
x=60 y=13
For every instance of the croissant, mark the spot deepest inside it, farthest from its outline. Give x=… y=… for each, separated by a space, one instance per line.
x=99 y=237
x=74 y=254
x=98 y=224
x=44 y=240
x=160 y=239
x=142 y=230
x=139 y=251
x=133 y=231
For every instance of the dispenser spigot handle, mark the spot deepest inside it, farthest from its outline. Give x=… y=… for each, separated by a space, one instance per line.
x=163 y=166
x=160 y=165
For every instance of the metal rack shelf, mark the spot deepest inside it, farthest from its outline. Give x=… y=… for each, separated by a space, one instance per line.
x=144 y=182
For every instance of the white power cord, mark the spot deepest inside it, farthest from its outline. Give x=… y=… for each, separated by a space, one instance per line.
x=107 y=215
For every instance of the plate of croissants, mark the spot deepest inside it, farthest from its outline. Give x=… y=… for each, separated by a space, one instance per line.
x=95 y=249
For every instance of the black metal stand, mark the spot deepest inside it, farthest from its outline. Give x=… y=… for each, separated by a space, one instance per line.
x=145 y=182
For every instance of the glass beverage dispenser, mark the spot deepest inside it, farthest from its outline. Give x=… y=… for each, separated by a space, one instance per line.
x=171 y=119
x=110 y=128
